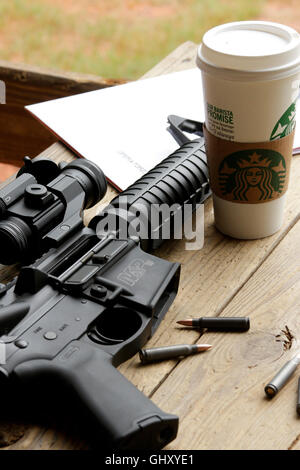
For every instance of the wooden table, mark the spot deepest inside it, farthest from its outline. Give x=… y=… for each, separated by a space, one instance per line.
x=219 y=395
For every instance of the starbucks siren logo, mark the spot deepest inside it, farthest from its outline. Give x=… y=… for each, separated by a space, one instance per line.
x=254 y=175
x=286 y=123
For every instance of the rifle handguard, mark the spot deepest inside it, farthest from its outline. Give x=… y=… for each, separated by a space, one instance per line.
x=181 y=178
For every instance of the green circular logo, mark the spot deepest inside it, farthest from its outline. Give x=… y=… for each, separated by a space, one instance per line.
x=252 y=175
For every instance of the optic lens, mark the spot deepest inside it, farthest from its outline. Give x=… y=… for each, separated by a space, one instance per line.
x=90 y=177
x=14 y=240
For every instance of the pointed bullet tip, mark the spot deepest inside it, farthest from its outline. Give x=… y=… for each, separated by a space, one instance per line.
x=203 y=347
x=185 y=322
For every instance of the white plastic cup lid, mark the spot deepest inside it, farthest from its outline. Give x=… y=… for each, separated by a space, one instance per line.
x=254 y=50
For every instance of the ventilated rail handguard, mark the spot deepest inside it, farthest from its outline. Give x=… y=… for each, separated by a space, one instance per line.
x=89 y=303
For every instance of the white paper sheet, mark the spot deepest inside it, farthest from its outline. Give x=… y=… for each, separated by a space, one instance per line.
x=123 y=128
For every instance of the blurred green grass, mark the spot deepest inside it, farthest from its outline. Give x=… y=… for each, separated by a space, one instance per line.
x=53 y=35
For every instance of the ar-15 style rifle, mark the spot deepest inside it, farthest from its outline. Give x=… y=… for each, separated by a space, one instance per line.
x=90 y=301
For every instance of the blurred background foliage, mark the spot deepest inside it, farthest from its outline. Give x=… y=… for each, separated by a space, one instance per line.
x=110 y=38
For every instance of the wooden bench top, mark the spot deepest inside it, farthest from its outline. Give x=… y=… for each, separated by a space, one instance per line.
x=219 y=395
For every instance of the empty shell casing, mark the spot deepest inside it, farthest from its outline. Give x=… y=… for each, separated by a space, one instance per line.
x=298 y=398
x=281 y=378
x=169 y=352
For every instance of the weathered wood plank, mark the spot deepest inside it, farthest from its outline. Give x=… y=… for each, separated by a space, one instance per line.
x=220 y=395
x=210 y=279
x=27 y=84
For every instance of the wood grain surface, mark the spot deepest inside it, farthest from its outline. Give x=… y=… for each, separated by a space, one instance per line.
x=218 y=395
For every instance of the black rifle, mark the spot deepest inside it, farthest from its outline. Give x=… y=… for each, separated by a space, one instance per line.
x=91 y=301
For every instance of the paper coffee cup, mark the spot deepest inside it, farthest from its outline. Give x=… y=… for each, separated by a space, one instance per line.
x=250 y=74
